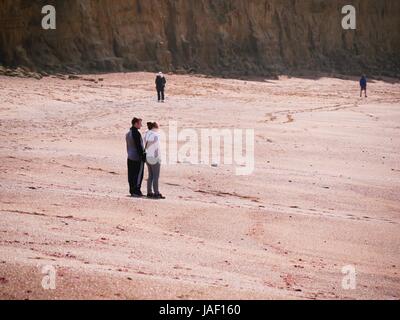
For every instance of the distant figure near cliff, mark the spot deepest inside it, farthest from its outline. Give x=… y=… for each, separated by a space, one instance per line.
x=363 y=85
x=160 y=86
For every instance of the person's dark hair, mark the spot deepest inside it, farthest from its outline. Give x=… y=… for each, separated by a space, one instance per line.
x=152 y=125
x=135 y=120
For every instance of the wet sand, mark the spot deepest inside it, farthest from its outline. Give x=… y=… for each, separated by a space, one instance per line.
x=324 y=193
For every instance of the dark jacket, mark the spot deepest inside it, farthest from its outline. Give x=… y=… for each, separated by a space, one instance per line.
x=160 y=82
x=363 y=82
x=134 y=145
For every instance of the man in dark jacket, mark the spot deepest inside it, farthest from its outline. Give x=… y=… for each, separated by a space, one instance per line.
x=363 y=85
x=160 y=86
x=136 y=158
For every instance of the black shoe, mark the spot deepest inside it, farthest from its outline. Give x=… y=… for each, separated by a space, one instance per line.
x=150 y=195
x=159 y=196
x=137 y=194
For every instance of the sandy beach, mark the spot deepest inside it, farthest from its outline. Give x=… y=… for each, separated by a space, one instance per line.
x=324 y=193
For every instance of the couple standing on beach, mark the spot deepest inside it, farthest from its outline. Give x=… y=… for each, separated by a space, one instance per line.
x=141 y=151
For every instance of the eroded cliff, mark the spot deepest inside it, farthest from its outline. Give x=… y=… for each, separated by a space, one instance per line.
x=204 y=36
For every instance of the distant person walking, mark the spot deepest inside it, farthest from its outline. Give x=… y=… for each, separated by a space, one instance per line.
x=363 y=85
x=136 y=158
x=160 y=86
x=153 y=160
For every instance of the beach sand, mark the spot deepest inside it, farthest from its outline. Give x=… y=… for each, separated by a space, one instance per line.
x=325 y=192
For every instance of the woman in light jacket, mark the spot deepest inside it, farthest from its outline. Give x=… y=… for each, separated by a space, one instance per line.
x=153 y=160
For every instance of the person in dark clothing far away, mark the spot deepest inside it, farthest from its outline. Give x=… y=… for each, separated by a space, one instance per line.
x=160 y=86
x=136 y=158
x=363 y=85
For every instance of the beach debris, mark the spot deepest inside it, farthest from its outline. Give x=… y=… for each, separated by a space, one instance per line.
x=73 y=77
x=20 y=72
x=3 y=280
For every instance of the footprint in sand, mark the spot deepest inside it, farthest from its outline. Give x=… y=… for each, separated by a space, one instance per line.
x=290 y=118
x=271 y=117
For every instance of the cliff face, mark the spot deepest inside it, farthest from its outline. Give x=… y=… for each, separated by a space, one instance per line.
x=205 y=36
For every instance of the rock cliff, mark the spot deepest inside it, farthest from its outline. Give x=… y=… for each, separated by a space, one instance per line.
x=204 y=36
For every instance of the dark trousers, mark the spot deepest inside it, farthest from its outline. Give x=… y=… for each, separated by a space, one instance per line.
x=160 y=94
x=135 y=176
x=363 y=89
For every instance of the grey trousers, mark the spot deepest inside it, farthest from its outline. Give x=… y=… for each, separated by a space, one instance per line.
x=154 y=176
